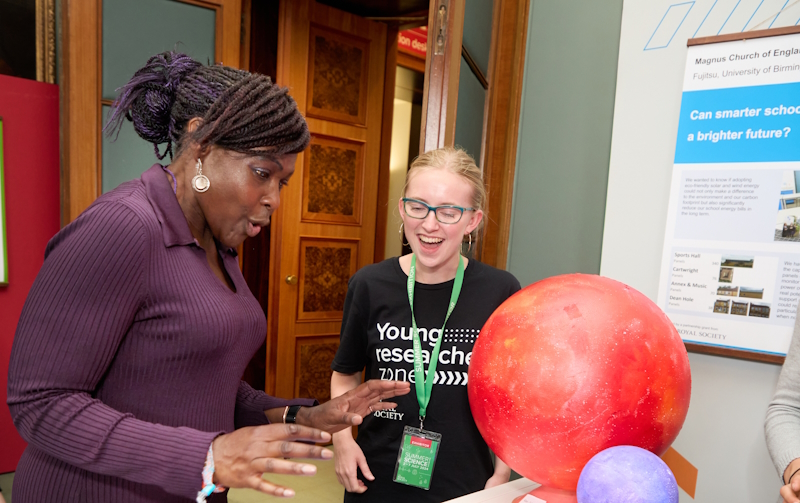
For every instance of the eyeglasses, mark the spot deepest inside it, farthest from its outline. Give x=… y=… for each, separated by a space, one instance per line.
x=444 y=214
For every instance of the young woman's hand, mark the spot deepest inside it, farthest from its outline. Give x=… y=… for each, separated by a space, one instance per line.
x=495 y=480
x=791 y=492
x=349 y=458
x=241 y=457
x=502 y=472
x=348 y=409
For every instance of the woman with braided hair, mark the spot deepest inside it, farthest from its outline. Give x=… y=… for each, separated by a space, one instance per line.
x=125 y=371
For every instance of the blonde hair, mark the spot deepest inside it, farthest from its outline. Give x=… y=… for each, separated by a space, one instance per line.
x=456 y=161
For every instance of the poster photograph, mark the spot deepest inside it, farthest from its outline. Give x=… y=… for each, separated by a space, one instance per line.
x=730 y=274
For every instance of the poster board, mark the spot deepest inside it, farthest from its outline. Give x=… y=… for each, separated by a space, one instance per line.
x=3 y=242
x=730 y=271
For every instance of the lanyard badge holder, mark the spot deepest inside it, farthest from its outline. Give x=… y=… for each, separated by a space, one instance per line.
x=419 y=448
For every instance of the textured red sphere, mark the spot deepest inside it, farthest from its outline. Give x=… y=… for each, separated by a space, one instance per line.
x=572 y=365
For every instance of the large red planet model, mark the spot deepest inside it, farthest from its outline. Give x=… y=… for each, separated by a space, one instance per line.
x=573 y=365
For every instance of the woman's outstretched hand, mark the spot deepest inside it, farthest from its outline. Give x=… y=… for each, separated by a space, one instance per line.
x=350 y=408
x=241 y=457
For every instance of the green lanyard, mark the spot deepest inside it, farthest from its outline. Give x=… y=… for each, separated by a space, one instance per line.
x=424 y=389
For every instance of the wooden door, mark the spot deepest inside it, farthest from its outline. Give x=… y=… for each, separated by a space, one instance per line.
x=334 y=63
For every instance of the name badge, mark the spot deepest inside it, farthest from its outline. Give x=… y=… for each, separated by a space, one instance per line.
x=417 y=457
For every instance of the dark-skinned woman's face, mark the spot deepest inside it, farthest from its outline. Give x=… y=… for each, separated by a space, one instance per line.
x=244 y=192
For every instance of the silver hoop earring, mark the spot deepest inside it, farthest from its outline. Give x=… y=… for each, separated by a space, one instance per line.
x=200 y=182
x=403 y=236
x=470 y=242
x=401 y=228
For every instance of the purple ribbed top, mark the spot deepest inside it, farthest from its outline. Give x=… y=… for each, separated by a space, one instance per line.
x=128 y=355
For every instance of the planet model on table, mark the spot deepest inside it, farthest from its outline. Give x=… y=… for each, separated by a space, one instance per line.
x=572 y=365
x=627 y=474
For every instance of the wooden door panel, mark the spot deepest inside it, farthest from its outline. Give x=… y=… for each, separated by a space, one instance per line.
x=333 y=178
x=338 y=66
x=333 y=63
x=313 y=358
x=325 y=267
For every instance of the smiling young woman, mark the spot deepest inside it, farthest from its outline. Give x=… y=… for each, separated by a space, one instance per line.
x=125 y=371
x=441 y=299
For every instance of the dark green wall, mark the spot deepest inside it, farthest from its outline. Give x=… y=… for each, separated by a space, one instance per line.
x=469 y=113
x=471 y=94
x=564 y=138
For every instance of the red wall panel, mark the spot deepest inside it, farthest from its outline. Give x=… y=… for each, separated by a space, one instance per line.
x=31 y=167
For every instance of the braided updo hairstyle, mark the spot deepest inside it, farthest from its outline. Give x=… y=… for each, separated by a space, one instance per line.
x=240 y=111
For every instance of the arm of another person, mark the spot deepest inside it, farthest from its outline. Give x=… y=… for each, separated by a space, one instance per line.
x=782 y=424
x=502 y=472
x=349 y=456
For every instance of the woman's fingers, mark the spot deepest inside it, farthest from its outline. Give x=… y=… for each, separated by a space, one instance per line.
x=354 y=485
x=243 y=455
x=362 y=463
x=382 y=389
x=352 y=418
x=346 y=473
x=268 y=487
x=282 y=467
x=383 y=406
x=287 y=449
x=788 y=495
x=352 y=482
x=294 y=432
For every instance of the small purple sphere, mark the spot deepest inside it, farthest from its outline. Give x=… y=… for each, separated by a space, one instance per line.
x=626 y=474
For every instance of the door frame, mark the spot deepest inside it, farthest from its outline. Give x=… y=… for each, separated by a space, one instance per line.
x=440 y=92
x=501 y=113
x=501 y=126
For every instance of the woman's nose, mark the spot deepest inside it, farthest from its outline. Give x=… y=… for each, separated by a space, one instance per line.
x=430 y=220
x=272 y=198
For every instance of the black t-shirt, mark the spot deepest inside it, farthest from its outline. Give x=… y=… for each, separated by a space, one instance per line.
x=376 y=334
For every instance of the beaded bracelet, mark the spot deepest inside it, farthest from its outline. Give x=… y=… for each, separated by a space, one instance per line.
x=208 y=478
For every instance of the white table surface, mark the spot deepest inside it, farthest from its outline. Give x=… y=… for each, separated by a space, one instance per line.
x=504 y=493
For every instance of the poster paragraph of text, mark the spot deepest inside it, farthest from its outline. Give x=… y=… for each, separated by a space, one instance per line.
x=730 y=273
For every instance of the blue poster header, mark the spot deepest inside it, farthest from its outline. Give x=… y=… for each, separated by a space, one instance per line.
x=740 y=124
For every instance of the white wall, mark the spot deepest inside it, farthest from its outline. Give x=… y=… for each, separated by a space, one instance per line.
x=723 y=435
